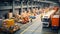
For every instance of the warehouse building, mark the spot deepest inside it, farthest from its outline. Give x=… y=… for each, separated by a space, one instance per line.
x=29 y=16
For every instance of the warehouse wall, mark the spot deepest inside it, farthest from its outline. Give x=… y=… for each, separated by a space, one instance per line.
x=2 y=12
x=16 y=11
x=5 y=7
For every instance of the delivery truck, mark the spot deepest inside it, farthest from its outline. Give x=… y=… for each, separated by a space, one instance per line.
x=46 y=18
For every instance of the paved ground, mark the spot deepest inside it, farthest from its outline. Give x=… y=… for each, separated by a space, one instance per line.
x=24 y=26
x=36 y=28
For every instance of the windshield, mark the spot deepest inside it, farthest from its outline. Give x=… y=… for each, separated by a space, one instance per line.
x=45 y=20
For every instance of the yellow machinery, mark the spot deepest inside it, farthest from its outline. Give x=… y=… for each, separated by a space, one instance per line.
x=10 y=26
x=9 y=22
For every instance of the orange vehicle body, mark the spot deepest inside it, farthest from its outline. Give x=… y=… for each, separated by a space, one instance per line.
x=25 y=20
x=55 y=21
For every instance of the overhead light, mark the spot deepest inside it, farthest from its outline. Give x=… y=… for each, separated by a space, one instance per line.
x=17 y=0
x=47 y=1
